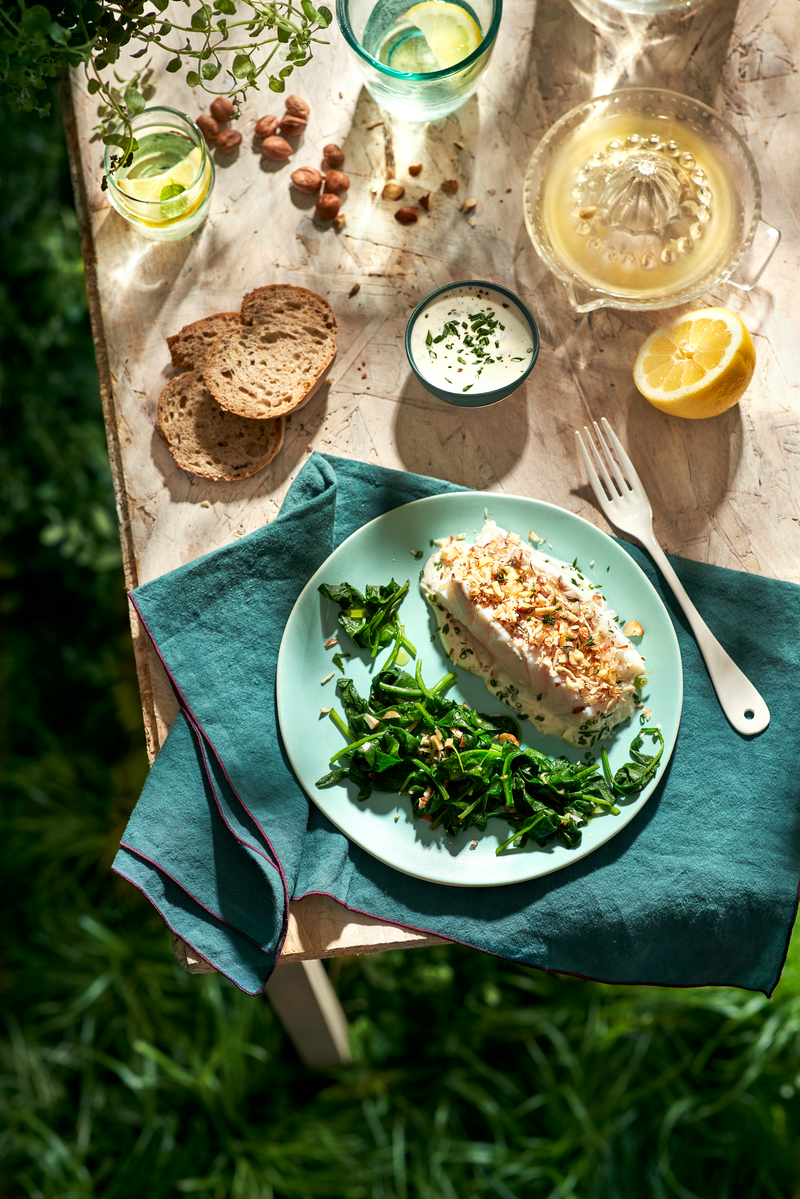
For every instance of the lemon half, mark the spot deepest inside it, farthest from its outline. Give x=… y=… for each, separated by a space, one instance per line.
x=450 y=31
x=698 y=366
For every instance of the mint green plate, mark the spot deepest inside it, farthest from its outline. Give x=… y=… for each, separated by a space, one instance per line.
x=383 y=549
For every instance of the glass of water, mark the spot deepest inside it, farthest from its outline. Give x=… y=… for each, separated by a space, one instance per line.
x=420 y=61
x=165 y=191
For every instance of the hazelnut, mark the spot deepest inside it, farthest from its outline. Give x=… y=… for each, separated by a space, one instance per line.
x=340 y=221
x=332 y=157
x=306 y=180
x=266 y=126
x=327 y=206
x=336 y=182
x=222 y=108
x=407 y=216
x=450 y=185
x=228 y=141
x=291 y=126
x=415 y=170
x=297 y=107
x=393 y=191
x=425 y=201
x=208 y=127
x=276 y=148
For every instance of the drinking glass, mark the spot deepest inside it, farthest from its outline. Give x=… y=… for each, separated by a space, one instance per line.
x=165 y=192
x=415 y=96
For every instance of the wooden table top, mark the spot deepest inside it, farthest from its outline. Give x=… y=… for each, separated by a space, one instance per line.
x=724 y=490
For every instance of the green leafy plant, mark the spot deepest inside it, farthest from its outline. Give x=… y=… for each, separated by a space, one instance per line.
x=225 y=47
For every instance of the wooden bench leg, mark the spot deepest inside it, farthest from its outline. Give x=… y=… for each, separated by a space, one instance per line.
x=307 y=1007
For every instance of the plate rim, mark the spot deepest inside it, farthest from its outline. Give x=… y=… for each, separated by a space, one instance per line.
x=582 y=851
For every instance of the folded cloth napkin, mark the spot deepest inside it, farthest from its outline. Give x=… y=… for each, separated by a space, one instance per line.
x=701 y=888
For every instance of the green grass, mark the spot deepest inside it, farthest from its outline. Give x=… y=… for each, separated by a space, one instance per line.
x=120 y=1075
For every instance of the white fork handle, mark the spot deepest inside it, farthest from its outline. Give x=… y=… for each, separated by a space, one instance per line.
x=738 y=698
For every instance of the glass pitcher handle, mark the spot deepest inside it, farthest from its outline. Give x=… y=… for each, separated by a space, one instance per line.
x=752 y=266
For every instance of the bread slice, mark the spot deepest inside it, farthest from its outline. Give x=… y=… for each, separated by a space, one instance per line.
x=189 y=347
x=209 y=441
x=286 y=307
x=275 y=365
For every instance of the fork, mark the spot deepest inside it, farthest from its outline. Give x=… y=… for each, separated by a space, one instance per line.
x=627 y=507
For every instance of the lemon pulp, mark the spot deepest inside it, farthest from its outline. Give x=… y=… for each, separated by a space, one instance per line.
x=698 y=366
x=430 y=36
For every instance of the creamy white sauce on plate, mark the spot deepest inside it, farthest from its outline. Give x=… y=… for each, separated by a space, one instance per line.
x=471 y=339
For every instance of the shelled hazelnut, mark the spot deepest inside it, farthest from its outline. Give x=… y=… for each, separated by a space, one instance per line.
x=393 y=191
x=327 y=206
x=297 y=107
x=276 y=148
x=208 y=127
x=336 y=182
x=291 y=126
x=228 y=141
x=266 y=126
x=332 y=157
x=307 y=180
x=222 y=109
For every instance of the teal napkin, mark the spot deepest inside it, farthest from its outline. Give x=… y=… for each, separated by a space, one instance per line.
x=701 y=888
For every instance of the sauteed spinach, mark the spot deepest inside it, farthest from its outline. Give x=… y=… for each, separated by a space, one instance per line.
x=371 y=619
x=461 y=767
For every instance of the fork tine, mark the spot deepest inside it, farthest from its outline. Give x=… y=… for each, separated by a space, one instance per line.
x=612 y=491
x=594 y=479
x=617 y=473
x=630 y=470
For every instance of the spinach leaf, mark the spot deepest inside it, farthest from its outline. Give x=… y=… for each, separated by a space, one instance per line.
x=371 y=619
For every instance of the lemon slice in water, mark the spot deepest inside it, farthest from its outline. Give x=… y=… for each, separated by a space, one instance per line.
x=451 y=33
x=698 y=366
x=183 y=173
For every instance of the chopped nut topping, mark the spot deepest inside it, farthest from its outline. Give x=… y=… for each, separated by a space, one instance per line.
x=543 y=613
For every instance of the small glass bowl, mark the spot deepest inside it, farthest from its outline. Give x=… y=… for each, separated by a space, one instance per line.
x=667 y=266
x=474 y=399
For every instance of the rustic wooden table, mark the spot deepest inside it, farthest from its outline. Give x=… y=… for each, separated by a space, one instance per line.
x=724 y=490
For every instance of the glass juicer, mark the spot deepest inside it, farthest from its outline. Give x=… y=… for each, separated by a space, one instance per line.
x=645 y=199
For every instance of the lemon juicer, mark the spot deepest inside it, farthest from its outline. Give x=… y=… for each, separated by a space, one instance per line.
x=645 y=199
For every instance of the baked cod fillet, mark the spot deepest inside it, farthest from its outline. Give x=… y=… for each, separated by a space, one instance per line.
x=544 y=640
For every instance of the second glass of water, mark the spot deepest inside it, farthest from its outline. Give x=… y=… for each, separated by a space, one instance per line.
x=420 y=61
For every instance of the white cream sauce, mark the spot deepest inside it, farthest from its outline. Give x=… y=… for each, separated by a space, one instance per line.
x=459 y=353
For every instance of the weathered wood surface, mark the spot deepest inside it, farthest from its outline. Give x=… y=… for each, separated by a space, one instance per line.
x=724 y=491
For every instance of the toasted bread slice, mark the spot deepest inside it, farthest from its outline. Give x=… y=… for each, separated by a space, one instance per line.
x=286 y=307
x=209 y=441
x=269 y=369
x=189 y=347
